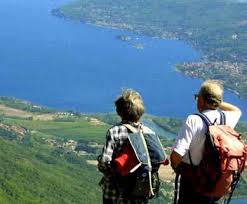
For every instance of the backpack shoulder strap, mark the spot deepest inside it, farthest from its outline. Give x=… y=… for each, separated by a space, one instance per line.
x=208 y=123
x=131 y=128
x=205 y=119
x=222 y=118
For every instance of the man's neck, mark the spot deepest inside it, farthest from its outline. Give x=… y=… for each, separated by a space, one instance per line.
x=207 y=109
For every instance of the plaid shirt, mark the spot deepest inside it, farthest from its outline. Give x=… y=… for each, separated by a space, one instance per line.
x=116 y=137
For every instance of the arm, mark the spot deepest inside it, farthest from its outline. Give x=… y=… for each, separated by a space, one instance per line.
x=183 y=141
x=104 y=160
x=176 y=160
x=233 y=113
x=228 y=107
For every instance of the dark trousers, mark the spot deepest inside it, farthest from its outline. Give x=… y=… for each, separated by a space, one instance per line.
x=188 y=196
x=106 y=201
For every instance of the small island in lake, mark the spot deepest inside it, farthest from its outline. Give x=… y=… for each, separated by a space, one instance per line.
x=124 y=38
x=138 y=46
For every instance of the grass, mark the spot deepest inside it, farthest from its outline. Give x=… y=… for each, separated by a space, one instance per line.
x=33 y=171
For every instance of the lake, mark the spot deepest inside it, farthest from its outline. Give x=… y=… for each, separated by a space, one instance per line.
x=238 y=202
x=69 y=65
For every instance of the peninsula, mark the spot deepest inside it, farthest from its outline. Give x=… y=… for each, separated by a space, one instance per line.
x=217 y=28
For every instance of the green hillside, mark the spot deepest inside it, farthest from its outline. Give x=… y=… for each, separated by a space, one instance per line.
x=51 y=161
x=218 y=28
x=34 y=170
x=44 y=160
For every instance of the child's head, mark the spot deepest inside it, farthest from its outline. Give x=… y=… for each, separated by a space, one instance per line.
x=129 y=106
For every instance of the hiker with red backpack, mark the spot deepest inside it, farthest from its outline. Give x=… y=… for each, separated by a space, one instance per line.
x=131 y=156
x=209 y=155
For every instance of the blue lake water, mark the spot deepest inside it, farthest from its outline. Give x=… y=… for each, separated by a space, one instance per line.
x=68 y=65
x=238 y=202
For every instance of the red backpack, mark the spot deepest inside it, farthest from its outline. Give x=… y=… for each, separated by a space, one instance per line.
x=223 y=160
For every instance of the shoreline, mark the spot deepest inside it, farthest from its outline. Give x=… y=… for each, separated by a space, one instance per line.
x=208 y=53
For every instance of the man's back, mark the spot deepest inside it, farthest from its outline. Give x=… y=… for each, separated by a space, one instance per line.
x=191 y=138
x=192 y=134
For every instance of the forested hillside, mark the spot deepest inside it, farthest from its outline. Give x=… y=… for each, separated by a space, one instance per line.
x=50 y=156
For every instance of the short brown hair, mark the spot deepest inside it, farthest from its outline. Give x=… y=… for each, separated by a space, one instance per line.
x=130 y=106
x=212 y=92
